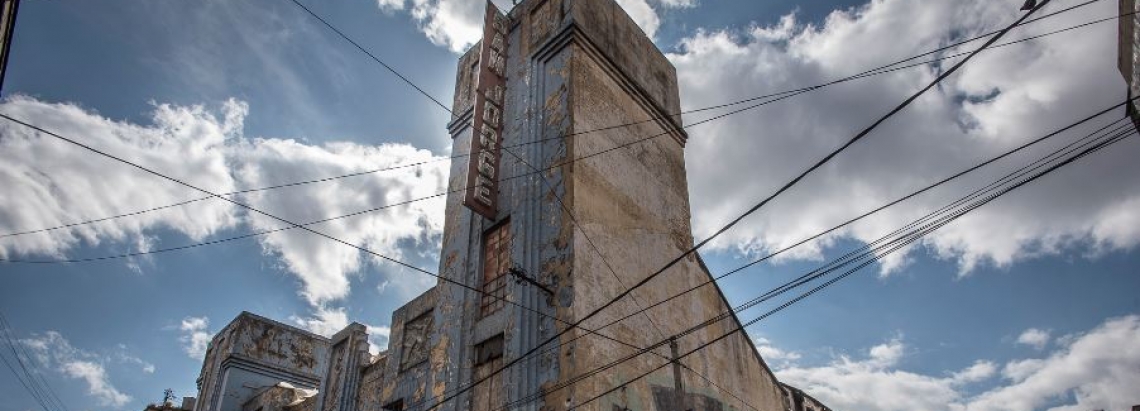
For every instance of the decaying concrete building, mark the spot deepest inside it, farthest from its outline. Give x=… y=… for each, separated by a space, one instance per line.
x=541 y=92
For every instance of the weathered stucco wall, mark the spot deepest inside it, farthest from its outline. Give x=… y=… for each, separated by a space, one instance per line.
x=371 y=392
x=633 y=205
x=254 y=352
x=575 y=66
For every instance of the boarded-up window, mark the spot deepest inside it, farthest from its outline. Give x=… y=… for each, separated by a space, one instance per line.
x=496 y=262
x=488 y=395
x=416 y=335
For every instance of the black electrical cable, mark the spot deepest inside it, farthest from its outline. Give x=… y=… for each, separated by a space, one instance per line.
x=735 y=221
x=867 y=73
x=878 y=209
x=296 y=225
x=893 y=246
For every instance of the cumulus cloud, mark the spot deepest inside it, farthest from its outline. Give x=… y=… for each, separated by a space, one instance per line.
x=771 y=353
x=1034 y=337
x=389 y=6
x=998 y=100
x=644 y=15
x=327 y=321
x=324 y=266
x=458 y=24
x=49 y=183
x=1095 y=370
x=52 y=184
x=56 y=352
x=872 y=383
x=980 y=371
x=195 y=336
x=98 y=384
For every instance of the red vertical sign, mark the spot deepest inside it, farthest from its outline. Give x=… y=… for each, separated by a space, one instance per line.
x=482 y=194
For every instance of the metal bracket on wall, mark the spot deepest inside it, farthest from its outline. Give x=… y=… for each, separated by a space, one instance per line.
x=521 y=277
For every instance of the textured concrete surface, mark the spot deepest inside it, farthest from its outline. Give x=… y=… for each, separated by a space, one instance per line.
x=573 y=66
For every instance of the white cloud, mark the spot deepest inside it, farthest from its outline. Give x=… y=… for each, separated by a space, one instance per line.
x=378 y=338
x=1098 y=370
x=327 y=321
x=771 y=353
x=51 y=183
x=1095 y=370
x=324 y=266
x=124 y=356
x=98 y=384
x=678 y=3
x=455 y=24
x=324 y=321
x=55 y=352
x=389 y=6
x=643 y=14
x=871 y=383
x=195 y=336
x=1034 y=337
x=1041 y=84
x=980 y=371
x=888 y=354
x=458 y=24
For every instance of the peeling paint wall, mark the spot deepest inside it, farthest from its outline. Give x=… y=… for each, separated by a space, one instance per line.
x=252 y=353
x=369 y=397
x=348 y=358
x=633 y=205
x=575 y=68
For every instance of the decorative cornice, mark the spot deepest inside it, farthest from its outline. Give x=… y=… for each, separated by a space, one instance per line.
x=242 y=362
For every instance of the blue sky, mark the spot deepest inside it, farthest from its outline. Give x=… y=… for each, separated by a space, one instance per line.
x=984 y=314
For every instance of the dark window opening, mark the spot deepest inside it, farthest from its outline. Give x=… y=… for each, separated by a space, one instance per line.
x=397 y=405
x=496 y=262
x=488 y=358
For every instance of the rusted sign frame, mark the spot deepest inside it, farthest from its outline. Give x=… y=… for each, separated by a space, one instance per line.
x=482 y=195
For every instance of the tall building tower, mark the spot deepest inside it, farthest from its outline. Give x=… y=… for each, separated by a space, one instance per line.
x=551 y=197
x=561 y=213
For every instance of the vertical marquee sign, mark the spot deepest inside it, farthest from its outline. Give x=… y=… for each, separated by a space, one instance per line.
x=483 y=172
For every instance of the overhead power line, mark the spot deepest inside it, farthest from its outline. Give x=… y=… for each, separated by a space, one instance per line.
x=27 y=369
x=875 y=252
x=878 y=71
x=833 y=281
x=1085 y=148
x=868 y=213
x=291 y=227
x=441 y=105
x=756 y=207
x=301 y=226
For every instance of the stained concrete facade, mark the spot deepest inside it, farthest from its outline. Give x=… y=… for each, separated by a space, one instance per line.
x=581 y=231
